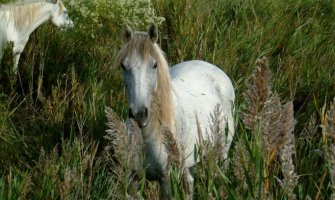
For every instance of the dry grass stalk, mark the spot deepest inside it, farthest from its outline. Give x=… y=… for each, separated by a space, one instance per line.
x=287 y=150
x=329 y=129
x=88 y=158
x=256 y=95
x=23 y=188
x=72 y=184
x=242 y=167
x=67 y=183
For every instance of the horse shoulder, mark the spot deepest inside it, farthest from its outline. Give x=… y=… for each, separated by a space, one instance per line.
x=7 y=28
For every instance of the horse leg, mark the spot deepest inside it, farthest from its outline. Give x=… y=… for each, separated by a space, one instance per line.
x=229 y=136
x=1 y=54
x=165 y=187
x=16 y=63
x=189 y=183
x=17 y=50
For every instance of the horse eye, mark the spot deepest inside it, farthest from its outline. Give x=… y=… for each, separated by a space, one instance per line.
x=154 y=66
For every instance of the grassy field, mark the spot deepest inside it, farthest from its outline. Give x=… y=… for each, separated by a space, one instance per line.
x=53 y=121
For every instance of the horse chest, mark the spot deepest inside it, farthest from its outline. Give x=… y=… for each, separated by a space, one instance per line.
x=155 y=159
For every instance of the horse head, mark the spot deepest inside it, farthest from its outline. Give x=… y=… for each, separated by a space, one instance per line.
x=139 y=71
x=60 y=17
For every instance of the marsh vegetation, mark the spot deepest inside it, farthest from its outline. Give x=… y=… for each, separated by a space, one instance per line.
x=61 y=123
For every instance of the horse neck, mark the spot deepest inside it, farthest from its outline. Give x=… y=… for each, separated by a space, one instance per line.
x=43 y=14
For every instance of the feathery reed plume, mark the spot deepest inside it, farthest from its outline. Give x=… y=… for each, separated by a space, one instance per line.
x=66 y=185
x=174 y=156
x=171 y=145
x=212 y=152
x=287 y=150
x=216 y=127
x=125 y=143
x=200 y=139
x=263 y=110
x=310 y=132
x=116 y=135
x=271 y=127
x=123 y=153
x=256 y=118
x=257 y=93
x=329 y=130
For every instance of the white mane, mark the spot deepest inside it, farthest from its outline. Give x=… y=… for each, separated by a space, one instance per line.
x=23 y=11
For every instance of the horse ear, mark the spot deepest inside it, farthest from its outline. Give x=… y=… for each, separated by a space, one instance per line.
x=153 y=33
x=127 y=33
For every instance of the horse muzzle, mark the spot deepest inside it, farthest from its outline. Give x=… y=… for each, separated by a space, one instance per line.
x=141 y=116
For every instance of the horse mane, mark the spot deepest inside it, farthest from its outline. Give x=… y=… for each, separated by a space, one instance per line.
x=141 y=43
x=24 y=10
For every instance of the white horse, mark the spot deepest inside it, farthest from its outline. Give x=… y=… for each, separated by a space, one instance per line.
x=181 y=98
x=19 y=19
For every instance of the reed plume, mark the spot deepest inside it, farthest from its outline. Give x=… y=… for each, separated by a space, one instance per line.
x=287 y=150
x=123 y=153
x=217 y=122
x=171 y=145
x=329 y=131
x=273 y=127
x=256 y=94
x=124 y=143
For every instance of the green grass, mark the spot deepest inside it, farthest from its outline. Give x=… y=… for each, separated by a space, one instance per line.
x=52 y=122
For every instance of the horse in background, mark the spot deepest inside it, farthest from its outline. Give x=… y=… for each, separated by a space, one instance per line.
x=19 y=19
x=180 y=99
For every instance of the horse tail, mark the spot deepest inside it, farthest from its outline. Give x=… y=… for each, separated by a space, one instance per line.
x=230 y=130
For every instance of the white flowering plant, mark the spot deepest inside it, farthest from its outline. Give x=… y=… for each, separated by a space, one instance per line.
x=91 y=15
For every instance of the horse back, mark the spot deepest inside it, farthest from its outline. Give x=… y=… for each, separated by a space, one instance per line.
x=199 y=87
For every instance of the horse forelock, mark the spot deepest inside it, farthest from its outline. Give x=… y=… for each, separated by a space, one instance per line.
x=141 y=44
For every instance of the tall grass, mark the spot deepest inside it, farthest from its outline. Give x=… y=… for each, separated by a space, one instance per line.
x=53 y=139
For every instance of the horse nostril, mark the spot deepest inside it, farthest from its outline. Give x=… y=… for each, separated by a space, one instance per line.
x=145 y=112
x=130 y=113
